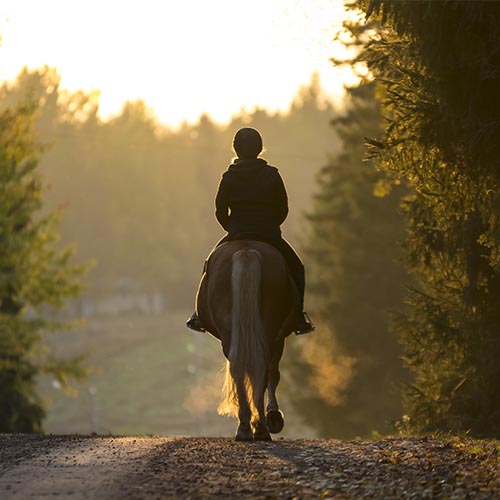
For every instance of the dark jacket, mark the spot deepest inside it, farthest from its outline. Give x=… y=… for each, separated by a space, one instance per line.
x=251 y=199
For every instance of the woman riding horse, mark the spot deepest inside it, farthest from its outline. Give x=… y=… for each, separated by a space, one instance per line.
x=251 y=204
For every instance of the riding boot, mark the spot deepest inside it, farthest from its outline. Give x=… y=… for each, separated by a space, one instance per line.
x=195 y=324
x=304 y=324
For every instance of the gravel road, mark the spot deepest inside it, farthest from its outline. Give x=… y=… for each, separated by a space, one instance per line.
x=105 y=467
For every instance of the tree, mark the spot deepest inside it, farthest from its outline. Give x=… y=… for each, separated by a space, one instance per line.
x=443 y=137
x=354 y=279
x=33 y=274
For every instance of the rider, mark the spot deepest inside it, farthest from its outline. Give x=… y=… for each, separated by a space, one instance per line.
x=252 y=200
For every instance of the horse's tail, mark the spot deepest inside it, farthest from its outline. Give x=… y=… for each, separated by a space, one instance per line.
x=249 y=351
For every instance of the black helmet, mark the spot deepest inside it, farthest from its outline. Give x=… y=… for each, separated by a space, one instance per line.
x=247 y=143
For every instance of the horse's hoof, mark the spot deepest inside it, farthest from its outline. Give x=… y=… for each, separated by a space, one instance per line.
x=261 y=433
x=275 y=421
x=244 y=433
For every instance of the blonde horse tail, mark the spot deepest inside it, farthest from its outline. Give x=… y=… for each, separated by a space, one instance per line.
x=249 y=351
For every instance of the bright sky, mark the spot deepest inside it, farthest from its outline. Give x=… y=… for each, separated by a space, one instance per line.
x=182 y=57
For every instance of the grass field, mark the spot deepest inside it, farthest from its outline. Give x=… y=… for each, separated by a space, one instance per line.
x=151 y=376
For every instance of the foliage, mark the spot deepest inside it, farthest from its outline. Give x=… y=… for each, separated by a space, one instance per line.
x=354 y=279
x=33 y=274
x=438 y=62
x=139 y=197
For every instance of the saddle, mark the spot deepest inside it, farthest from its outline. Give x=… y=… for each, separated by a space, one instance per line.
x=239 y=237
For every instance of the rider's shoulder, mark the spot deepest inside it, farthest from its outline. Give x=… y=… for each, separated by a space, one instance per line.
x=273 y=169
x=275 y=173
x=226 y=174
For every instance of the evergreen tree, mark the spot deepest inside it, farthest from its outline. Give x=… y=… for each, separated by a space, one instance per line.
x=439 y=63
x=354 y=279
x=33 y=274
x=354 y=275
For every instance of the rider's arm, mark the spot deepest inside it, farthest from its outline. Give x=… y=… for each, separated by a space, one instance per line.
x=222 y=205
x=281 y=199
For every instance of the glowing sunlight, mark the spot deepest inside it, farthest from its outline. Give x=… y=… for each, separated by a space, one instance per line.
x=181 y=58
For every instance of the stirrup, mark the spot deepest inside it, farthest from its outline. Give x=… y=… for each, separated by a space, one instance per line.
x=306 y=326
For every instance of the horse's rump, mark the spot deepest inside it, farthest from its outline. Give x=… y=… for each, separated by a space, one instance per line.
x=278 y=294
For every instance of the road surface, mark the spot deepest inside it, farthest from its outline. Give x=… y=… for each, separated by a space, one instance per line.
x=107 y=467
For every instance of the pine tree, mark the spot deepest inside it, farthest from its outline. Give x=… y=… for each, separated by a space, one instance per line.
x=33 y=275
x=443 y=104
x=354 y=279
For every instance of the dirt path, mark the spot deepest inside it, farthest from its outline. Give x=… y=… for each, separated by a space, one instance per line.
x=78 y=467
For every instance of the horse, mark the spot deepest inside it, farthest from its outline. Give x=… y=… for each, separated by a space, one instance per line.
x=247 y=299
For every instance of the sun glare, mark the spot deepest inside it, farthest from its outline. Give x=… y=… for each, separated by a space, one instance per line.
x=183 y=58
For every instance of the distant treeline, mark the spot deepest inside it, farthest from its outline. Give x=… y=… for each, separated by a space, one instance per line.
x=138 y=198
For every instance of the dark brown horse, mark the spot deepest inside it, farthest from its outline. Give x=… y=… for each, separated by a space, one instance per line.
x=247 y=299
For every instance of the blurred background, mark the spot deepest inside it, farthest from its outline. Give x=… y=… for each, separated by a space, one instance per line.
x=136 y=107
x=138 y=202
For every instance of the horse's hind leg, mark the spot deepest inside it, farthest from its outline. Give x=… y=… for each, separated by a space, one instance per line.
x=274 y=416
x=244 y=432
x=261 y=432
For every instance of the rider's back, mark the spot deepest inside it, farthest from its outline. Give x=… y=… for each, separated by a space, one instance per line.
x=252 y=198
